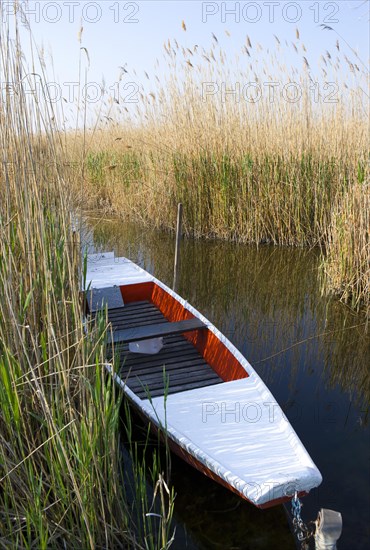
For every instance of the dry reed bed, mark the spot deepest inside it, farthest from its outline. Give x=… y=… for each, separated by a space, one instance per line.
x=269 y=171
x=347 y=262
x=61 y=471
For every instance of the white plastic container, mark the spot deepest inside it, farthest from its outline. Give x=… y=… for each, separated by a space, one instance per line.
x=150 y=347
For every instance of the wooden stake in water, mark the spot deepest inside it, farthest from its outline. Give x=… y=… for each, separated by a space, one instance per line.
x=177 y=249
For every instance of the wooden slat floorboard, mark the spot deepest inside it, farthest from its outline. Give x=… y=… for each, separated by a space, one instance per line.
x=118 y=313
x=135 y=305
x=124 y=313
x=132 y=316
x=188 y=359
x=165 y=362
x=166 y=352
x=180 y=366
x=179 y=343
x=138 y=324
x=183 y=375
x=156 y=382
x=185 y=368
x=180 y=346
x=135 y=381
x=143 y=394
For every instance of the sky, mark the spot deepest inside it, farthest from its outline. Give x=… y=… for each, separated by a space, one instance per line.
x=122 y=40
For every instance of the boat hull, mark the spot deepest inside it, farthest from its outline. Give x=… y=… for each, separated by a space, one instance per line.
x=202 y=468
x=205 y=413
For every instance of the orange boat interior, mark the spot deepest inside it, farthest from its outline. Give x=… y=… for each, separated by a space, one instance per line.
x=213 y=351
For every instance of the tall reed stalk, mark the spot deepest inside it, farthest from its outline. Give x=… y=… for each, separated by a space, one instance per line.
x=61 y=470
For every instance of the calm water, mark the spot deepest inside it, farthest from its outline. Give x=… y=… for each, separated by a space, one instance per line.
x=268 y=303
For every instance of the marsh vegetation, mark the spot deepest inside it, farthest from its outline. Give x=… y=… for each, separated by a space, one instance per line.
x=61 y=468
x=256 y=151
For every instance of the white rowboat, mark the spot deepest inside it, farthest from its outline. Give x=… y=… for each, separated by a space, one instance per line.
x=216 y=411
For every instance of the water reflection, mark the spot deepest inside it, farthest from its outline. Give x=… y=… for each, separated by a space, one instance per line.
x=268 y=302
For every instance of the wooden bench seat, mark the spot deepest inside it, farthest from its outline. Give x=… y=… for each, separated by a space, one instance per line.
x=156 y=330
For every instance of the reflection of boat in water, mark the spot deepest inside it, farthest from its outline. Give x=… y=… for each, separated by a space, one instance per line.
x=197 y=387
